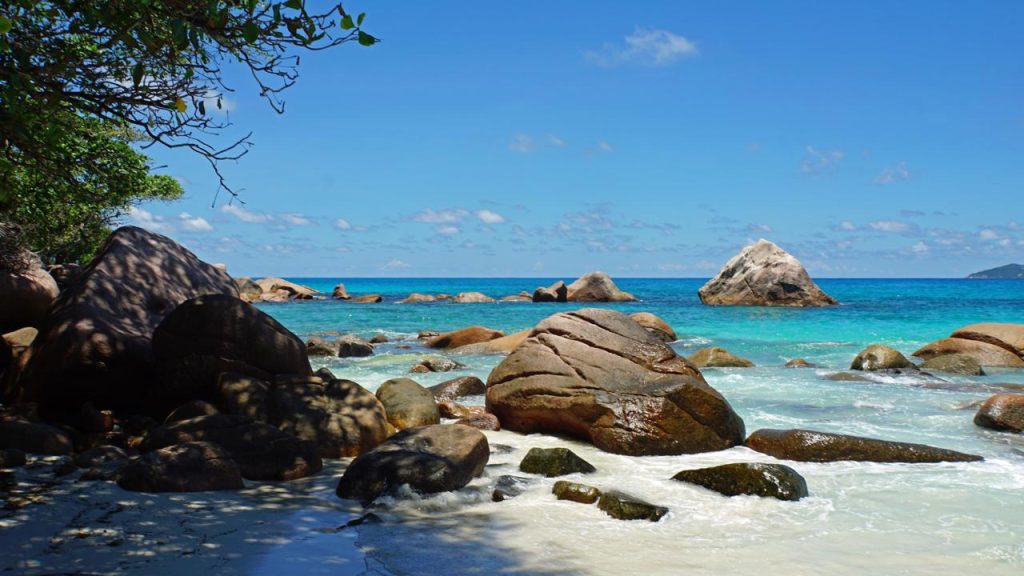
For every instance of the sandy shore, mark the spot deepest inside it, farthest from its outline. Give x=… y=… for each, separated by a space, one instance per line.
x=56 y=525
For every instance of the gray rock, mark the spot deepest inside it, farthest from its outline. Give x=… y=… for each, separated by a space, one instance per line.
x=878 y=357
x=963 y=364
x=350 y=346
x=557 y=292
x=597 y=287
x=507 y=486
x=553 y=462
x=763 y=274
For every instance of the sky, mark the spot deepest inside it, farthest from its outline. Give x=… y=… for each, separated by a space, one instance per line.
x=645 y=139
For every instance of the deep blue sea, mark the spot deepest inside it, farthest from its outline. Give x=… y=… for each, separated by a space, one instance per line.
x=860 y=519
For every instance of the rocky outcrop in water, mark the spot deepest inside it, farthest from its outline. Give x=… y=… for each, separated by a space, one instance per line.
x=407 y=404
x=553 y=462
x=962 y=364
x=596 y=287
x=464 y=337
x=756 y=479
x=472 y=298
x=986 y=354
x=878 y=357
x=599 y=376
x=763 y=274
x=458 y=388
x=811 y=446
x=1009 y=337
x=715 y=357
x=557 y=292
x=625 y=507
x=502 y=345
x=429 y=459
x=1003 y=412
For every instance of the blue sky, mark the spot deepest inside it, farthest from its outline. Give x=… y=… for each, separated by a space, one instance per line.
x=643 y=139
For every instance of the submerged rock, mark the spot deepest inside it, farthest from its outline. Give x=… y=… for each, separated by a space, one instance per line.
x=799 y=363
x=553 y=462
x=186 y=467
x=435 y=364
x=463 y=337
x=715 y=357
x=599 y=376
x=962 y=364
x=811 y=446
x=1004 y=412
x=763 y=274
x=575 y=492
x=407 y=404
x=597 y=287
x=625 y=507
x=878 y=357
x=985 y=353
x=757 y=479
x=458 y=388
x=508 y=486
x=428 y=458
x=655 y=325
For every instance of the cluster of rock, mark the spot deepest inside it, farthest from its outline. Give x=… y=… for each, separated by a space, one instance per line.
x=990 y=344
x=763 y=274
x=591 y=287
x=271 y=289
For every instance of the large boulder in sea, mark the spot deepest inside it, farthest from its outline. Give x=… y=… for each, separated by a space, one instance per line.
x=96 y=344
x=271 y=284
x=596 y=287
x=811 y=446
x=407 y=404
x=26 y=296
x=715 y=357
x=987 y=354
x=472 y=298
x=763 y=274
x=599 y=376
x=428 y=459
x=212 y=335
x=557 y=292
x=749 y=478
x=1004 y=412
x=464 y=337
x=962 y=364
x=1008 y=336
x=879 y=357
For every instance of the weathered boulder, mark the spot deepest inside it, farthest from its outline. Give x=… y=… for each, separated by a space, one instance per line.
x=1003 y=412
x=878 y=357
x=317 y=346
x=715 y=357
x=472 y=298
x=210 y=335
x=811 y=446
x=407 y=404
x=339 y=293
x=248 y=290
x=625 y=507
x=33 y=437
x=186 y=467
x=429 y=459
x=597 y=375
x=435 y=364
x=481 y=421
x=262 y=451
x=655 y=325
x=26 y=296
x=454 y=410
x=553 y=462
x=757 y=479
x=271 y=284
x=417 y=298
x=763 y=274
x=985 y=353
x=463 y=337
x=963 y=364
x=799 y=363
x=340 y=417
x=575 y=492
x=352 y=346
x=596 y=287
x=191 y=410
x=1008 y=336
x=368 y=299
x=244 y=395
x=458 y=388
x=557 y=292
x=96 y=345
x=503 y=345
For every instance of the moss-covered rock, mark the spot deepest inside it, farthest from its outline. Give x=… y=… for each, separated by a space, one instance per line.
x=963 y=364
x=626 y=507
x=575 y=492
x=749 y=478
x=878 y=357
x=553 y=462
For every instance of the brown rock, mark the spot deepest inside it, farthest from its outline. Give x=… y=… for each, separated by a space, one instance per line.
x=270 y=284
x=481 y=421
x=799 y=363
x=339 y=293
x=557 y=292
x=97 y=342
x=368 y=299
x=963 y=364
x=454 y=410
x=407 y=404
x=33 y=437
x=26 y=297
x=379 y=339
x=351 y=346
x=1008 y=336
x=341 y=417
x=458 y=388
x=599 y=376
x=429 y=459
x=878 y=357
x=986 y=354
x=248 y=290
x=190 y=410
x=1003 y=412
x=503 y=345
x=464 y=336
x=187 y=467
x=763 y=274
x=655 y=325
x=575 y=492
x=811 y=446
x=473 y=298
x=597 y=287
x=321 y=347
x=715 y=357
x=417 y=298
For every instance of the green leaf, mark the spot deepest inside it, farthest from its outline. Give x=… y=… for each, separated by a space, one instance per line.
x=294 y=4
x=347 y=23
x=366 y=40
x=202 y=108
x=359 y=20
x=5 y=24
x=137 y=73
x=251 y=32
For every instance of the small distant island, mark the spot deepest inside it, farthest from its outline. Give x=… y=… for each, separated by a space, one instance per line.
x=1008 y=272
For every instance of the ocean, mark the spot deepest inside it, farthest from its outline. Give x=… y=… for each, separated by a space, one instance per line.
x=860 y=517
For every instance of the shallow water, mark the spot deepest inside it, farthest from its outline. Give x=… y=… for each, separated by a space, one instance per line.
x=860 y=518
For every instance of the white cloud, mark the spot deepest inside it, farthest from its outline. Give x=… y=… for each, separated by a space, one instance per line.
x=646 y=47
x=342 y=224
x=759 y=228
x=989 y=234
x=820 y=160
x=489 y=217
x=522 y=144
x=919 y=248
x=446 y=229
x=893 y=174
x=556 y=141
x=889 y=226
x=148 y=220
x=441 y=216
x=194 y=223
x=847 y=226
x=296 y=219
x=246 y=215
x=604 y=146
x=395 y=264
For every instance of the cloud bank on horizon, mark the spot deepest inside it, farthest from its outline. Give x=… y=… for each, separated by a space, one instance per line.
x=656 y=146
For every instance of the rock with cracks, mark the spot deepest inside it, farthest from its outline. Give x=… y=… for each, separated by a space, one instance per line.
x=763 y=274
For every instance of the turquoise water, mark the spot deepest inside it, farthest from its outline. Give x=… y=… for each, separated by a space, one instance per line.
x=860 y=518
